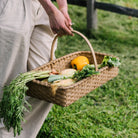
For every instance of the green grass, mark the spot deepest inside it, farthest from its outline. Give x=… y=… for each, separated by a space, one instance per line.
x=112 y=109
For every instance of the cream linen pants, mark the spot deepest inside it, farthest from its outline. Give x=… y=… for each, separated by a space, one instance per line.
x=25 y=42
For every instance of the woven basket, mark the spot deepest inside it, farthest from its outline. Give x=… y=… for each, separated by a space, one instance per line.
x=65 y=96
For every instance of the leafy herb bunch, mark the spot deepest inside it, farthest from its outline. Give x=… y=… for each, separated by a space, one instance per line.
x=87 y=71
x=14 y=104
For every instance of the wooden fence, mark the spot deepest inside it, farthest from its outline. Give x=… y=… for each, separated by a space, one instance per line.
x=93 y=5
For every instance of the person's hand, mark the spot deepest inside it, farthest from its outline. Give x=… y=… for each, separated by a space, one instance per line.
x=59 y=19
x=60 y=23
x=66 y=15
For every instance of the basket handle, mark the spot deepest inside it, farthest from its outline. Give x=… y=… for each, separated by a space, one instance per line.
x=88 y=42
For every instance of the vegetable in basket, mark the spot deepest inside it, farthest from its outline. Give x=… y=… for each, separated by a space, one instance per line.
x=53 y=78
x=64 y=83
x=110 y=62
x=79 y=62
x=64 y=74
x=89 y=70
x=68 y=72
x=63 y=79
x=14 y=104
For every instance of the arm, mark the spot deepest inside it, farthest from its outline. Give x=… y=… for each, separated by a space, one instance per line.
x=59 y=19
x=63 y=7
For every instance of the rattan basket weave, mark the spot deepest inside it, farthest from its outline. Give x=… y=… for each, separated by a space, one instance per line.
x=65 y=96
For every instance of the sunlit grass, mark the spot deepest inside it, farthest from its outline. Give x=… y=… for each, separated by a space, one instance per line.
x=112 y=109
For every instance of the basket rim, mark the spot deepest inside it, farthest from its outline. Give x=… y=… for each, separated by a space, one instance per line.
x=77 y=83
x=78 y=52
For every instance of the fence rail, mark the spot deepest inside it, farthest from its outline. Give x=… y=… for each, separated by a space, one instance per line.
x=92 y=5
x=117 y=9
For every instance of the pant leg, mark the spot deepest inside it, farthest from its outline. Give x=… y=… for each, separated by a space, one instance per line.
x=41 y=41
x=16 y=23
x=15 y=31
x=39 y=54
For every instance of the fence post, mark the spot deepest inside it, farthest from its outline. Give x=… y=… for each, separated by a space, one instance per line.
x=91 y=15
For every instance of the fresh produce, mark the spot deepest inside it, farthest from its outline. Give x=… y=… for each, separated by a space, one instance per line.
x=68 y=72
x=64 y=83
x=87 y=71
x=54 y=72
x=79 y=62
x=110 y=61
x=14 y=104
x=64 y=74
x=53 y=78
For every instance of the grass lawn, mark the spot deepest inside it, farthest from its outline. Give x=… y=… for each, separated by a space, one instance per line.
x=112 y=109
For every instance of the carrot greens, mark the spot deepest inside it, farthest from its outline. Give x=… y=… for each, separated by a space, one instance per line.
x=14 y=104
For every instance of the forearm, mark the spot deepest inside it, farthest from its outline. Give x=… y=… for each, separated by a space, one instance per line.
x=62 y=4
x=49 y=7
x=59 y=19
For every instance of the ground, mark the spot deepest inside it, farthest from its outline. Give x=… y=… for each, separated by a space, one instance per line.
x=112 y=109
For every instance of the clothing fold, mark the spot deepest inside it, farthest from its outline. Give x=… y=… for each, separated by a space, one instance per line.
x=25 y=43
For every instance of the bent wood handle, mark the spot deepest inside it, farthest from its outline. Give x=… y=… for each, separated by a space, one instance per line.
x=87 y=41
